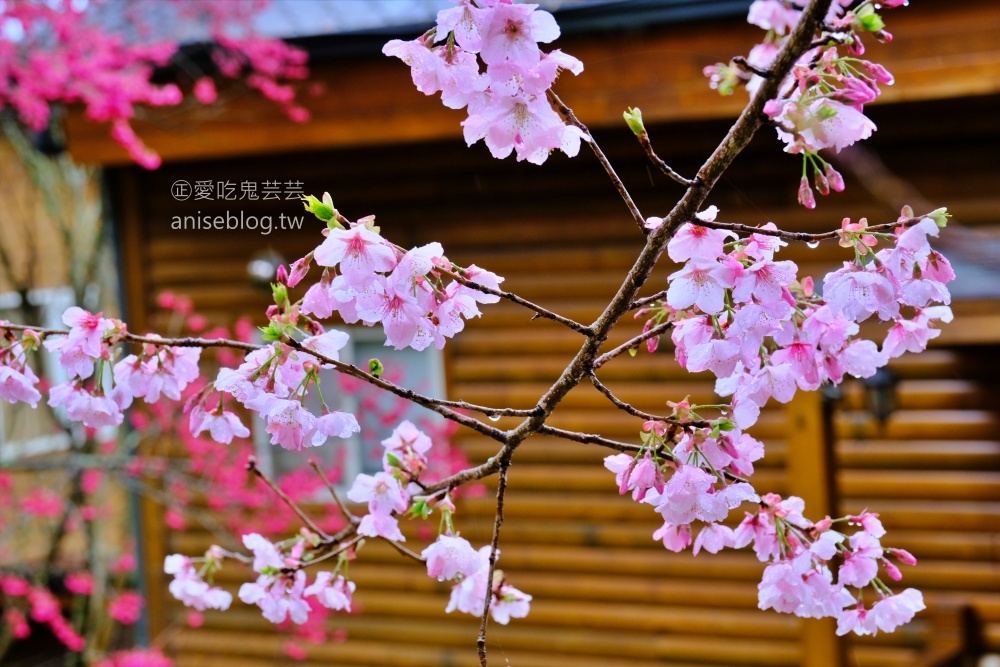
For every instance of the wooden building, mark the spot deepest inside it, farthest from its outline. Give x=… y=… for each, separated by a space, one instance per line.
x=605 y=594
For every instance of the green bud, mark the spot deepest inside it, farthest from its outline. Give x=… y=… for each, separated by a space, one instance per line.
x=280 y=294
x=393 y=460
x=274 y=331
x=632 y=351
x=868 y=20
x=725 y=424
x=940 y=216
x=633 y=118
x=825 y=112
x=419 y=509
x=321 y=209
x=375 y=367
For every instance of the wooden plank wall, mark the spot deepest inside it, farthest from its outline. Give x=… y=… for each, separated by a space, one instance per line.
x=605 y=593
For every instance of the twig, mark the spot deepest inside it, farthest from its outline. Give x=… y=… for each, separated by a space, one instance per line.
x=540 y=311
x=310 y=524
x=498 y=521
x=406 y=552
x=753 y=69
x=803 y=236
x=571 y=118
x=333 y=492
x=655 y=331
x=589 y=439
x=441 y=406
x=647 y=146
x=627 y=407
x=646 y=300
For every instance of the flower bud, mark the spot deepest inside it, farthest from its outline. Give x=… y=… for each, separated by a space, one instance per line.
x=633 y=118
x=940 y=217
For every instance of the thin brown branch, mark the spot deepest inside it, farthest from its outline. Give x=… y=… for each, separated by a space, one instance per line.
x=498 y=521
x=406 y=552
x=443 y=407
x=646 y=300
x=803 y=236
x=627 y=407
x=310 y=524
x=658 y=162
x=333 y=492
x=589 y=439
x=653 y=332
x=540 y=311
x=753 y=69
x=571 y=118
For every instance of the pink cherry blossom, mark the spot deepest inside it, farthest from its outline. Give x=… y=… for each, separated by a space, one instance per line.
x=221 y=424
x=188 y=587
x=674 y=538
x=696 y=242
x=700 y=283
x=19 y=385
x=713 y=538
x=332 y=592
x=450 y=556
x=514 y=32
x=358 y=252
x=889 y=613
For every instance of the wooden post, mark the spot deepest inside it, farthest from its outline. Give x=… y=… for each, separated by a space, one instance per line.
x=811 y=476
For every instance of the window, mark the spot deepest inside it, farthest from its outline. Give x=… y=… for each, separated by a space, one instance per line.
x=25 y=431
x=378 y=411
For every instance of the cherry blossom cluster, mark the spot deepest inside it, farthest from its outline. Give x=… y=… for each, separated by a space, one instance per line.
x=748 y=319
x=690 y=475
x=450 y=557
x=803 y=557
x=368 y=279
x=686 y=473
x=55 y=53
x=280 y=590
x=507 y=103
x=272 y=382
x=88 y=350
x=822 y=102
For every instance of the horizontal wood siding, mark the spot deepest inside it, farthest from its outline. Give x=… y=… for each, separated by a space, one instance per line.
x=605 y=593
